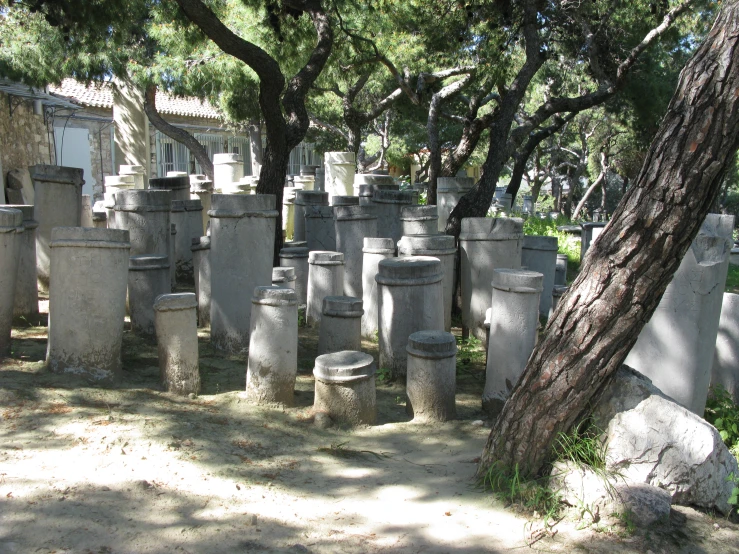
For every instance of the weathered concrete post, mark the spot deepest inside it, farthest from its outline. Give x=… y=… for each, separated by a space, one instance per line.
x=725 y=371
x=273 y=346
x=448 y=192
x=367 y=191
x=560 y=272
x=178 y=186
x=115 y=184
x=419 y=220
x=340 y=324
x=410 y=298
x=388 y=204
x=381 y=181
x=148 y=277
x=353 y=224
x=87 y=301
x=25 y=304
x=345 y=201
x=304 y=199
x=485 y=244
x=187 y=216
x=557 y=293
x=288 y=211
x=228 y=168
x=242 y=245
x=373 y=251
x=345 y=387
x=325 y=278
x=539 y=253
x=57 y=203
x=297 y=258
x=11 y=235
x=138 y=172
x=172 y=255
x=177 y=342
x=86 y=211
x=320 y=233
x=201 y=270
x=201 y=188
x=514 y=319
x=283 y=277
x=590 y=232
x=340 y=169
x=432 y=376
x=145 y=215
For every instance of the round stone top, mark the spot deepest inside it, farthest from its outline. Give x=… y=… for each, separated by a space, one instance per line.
x=425 y=244
x=491 y=228
x=169 y=183
x=342 y=306
x=325 y=257
x=10 y=217
x=92 y=237
x=418 y=270
x=187 y=205
x=26 y=209
x=454 y=184
x=295 y=244
x=559 y=290
x=133 y=199
x=140 y=263
x=176 y=173
x=119 y=180
x=356 y=212
x=274 y=296
x=131 y=170
x=176 y=301
x=200 y=243
x=283 y=274
x=432 y=344
x=340 y=157
x=344 y=366
x=306 y=197
x=538 y=242
x=370 y=189
x=382 y=196
x=518 y=280
x=345 y=201
x=418 y=213
x=239 y=204
x=373 y=245
x=227 y=158
x=294 y=252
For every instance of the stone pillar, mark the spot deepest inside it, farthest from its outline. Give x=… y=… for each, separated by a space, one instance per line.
x=305 y=182
x=419 y=220
x=57 y=203
x=340 y=324
x=389 y=204
x=560 y=272
x=273 y=346
x=725 y=371
x=295 y=244
x=432 y=376
x=373 y=251
x=283 y=277
x=86 y=211
x=242 y=246
x=325 y=278
x=539 y=253
x=288 y=211
x=113 y=185
x=187 y=216
x=410 y=298
x=320 y=233
x=138 y=172
x=340 y=170
x=201 y=188
x=171 y=255
x=436 y=246
x=227 y=169
x=448 y=192
x=345 y=201
x=366 y=192
x=319 y=181
x=528 y=205
x=557 y=293
x=485 y=244
x=145 y=215
x=590 y=232
x=131 y=124
x=25 y=305
x=201 y=270
x=675 y=348
x=345 y=387
x=297 y=258
x=304 y=198
x=11 y=235
x=514 y=320
x=372 y=179
x=100 y=219
x=87 y=301
x=353 y=225
x=177 y=342
x=178 y=186
x=148 y=277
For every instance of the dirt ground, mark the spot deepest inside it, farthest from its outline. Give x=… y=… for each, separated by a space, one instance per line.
x=133 y=469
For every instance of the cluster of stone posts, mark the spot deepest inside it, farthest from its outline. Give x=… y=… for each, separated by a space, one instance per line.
x=388 y=206
x=320 y=233
x=341 y=318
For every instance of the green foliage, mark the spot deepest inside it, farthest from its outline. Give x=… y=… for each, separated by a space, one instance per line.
x=567 y=243
x=723 y=414
x=732 y=279
x=469 y=351
x=383 y=375
x=584 y=446
x=531 y=494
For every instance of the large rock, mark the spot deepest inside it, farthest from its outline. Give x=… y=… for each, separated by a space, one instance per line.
x=652 y=439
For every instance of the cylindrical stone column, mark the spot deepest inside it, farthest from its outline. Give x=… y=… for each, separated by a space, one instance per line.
x=303 y=199
x=514 y=320
x=201 y=188
x=148 y=277
x=228 y=168
x=186 y=214
x=345 y=201
x=11 y=237
x=373 y=251
x=325 y=278
x=242 y=246
x=86 y=213
x=340 y=170
x=345 y=387
x=539 y=253
x=419 y=220
x=297 y=258
x=372 y=179
x=431 y=380
x=436 y=246
x=145 y=215
x=273 y=346
x=283 y=277
x=177 y=342
x=137 y=172
x=115 y=184
x=87 y=301
x=590 y=232
x=201 y=270
x=25 y=304
x=560 y=271
x=448 y=192
x=172 y=255
x=100 y=219
x=485 y=244
x=288 y=211
x=388 y=205
x=557 y=293
x=179 y=187
x=353 y=225
x=57 y=203
x=319 y=181
x=367 y=191
x=320 y=233
x=410 y=298
x=341 y=323
x=725 y=371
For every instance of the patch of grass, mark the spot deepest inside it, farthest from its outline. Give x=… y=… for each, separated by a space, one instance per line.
x=732 y=279
x=723 y=414
x=469 y=351
x=583 y=446
x=383 y=375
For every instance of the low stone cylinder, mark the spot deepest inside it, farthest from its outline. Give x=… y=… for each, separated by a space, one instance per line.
x=514 y=320
x=148 y=278
x=560 y=271
x=539 y=253
x=448 y=192
x=345 y=387
x=297 y=258
x=145 y=215
x=374 y=250
x=115 y=184
x=304 y=198
x=373 y=179
x=177 y=342
x=345 y=201
x=431 y=379
x=325 y=278
x=340 y=170
x=557 y=293
x=87 y=301
x=319 y=182
x=341 y=323
x=25 y=303
x=388 y=204
x=590 y=232
x=283 y=277
x=353 y=224
x=201 y=270
x=410 y=298
x=100 y=219
x=419 y=220
x=186 y=214
x=320 y=233
x=273 y=346
x=11 y=238
x=366 y=192
x=179 y=187
x=137 y=172
x=228 y=168
x=440 y=247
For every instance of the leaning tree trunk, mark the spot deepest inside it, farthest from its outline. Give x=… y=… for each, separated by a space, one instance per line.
x=628 y=268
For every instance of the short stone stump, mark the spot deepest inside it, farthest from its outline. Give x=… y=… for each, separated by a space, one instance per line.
x=345 y=387
x=341 y=324
x=177 y=340
x=431 y=379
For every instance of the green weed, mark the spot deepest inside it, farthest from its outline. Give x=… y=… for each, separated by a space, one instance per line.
x=567 y=243
x=534 y=495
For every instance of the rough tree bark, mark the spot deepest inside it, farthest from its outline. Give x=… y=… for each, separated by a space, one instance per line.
x=176 y=133
x=628 y=268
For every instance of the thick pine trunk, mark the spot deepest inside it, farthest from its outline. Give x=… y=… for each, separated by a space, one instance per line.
x=628 y=268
